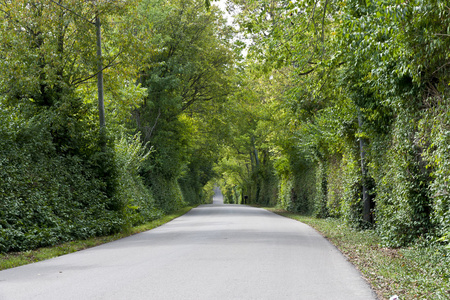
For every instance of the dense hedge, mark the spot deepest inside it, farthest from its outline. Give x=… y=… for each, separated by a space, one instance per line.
x=367 y=109
x=52 y=192
x=64 y=177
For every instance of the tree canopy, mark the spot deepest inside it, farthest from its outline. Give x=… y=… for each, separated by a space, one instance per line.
x=325 y=107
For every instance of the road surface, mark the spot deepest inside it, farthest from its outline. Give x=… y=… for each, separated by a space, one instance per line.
x=214 y=252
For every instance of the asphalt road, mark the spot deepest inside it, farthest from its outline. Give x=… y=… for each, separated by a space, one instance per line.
x=214 y=252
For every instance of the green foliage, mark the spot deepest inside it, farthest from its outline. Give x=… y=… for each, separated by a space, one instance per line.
x=351 y=205
x=404 y=203
x=62 y=179
x=167 y=194
x=364 y=109
x=137 y=200
x=208 y=192
x=196 y=182
x=320 y=201
x=52 y=191
x=185 y=78
x=296 y=191
x=389 y=80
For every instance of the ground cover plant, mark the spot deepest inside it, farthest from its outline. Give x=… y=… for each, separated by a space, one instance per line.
x=420 y=271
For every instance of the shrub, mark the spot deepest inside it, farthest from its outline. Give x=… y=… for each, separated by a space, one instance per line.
x=53 y=188
x=138 y=205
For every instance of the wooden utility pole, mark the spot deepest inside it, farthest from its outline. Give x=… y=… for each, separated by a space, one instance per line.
x=101 y=105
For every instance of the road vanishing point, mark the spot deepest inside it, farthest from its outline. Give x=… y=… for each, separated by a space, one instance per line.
x=213 y=252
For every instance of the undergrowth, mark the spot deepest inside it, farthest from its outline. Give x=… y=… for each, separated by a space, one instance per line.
x=421 y=271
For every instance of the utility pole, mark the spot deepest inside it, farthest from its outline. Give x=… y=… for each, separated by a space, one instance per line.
x=101 y=105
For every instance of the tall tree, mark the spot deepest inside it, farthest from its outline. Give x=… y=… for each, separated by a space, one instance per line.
x=187 y=72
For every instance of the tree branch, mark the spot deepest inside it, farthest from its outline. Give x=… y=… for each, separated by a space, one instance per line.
x=110 y=64
x=307 y=72
x=149 y=134
x=74 y=12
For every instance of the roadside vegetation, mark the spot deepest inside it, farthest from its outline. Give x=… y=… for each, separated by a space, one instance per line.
x=336 y=109
x=16 y=259
x=342 y=112
x=81 y=159
x=420 y=271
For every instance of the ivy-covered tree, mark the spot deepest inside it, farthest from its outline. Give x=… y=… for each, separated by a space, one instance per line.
x=58 y=178
x=187 y=71
x=368 y=79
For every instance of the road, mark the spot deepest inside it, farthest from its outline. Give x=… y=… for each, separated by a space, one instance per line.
x=213 y=252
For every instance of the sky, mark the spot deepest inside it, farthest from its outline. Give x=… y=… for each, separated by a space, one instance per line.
x=223 y=6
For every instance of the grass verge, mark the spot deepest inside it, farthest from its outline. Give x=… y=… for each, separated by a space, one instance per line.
x=417 y=272
x=11 y=260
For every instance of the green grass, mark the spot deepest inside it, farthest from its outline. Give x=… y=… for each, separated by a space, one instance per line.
x=418 y=272
x=11 y=260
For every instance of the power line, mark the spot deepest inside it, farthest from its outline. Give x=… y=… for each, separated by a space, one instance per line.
x=74 y=12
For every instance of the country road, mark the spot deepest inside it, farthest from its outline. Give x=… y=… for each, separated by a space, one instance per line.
x=213 y=252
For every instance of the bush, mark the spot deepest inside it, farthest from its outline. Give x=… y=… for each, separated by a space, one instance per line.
x=137 y=201
x=52 y=185
x=167 y=194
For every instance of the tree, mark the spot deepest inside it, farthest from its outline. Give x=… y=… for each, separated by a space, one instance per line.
x=186 y=73
x=57 y=184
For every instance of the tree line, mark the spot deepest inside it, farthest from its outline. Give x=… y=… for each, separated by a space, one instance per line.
x=66 y=174
x=327 y=107
x=343 y=112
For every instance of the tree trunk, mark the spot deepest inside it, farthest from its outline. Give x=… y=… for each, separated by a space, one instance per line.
x=255 y=152
x=366 y=199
